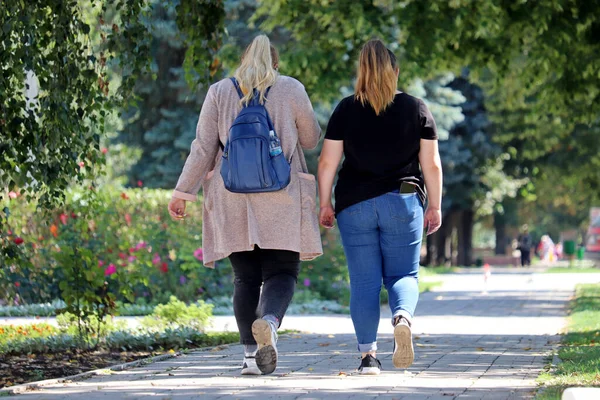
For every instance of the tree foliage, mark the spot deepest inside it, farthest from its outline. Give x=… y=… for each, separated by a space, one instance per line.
x=548 y=48
x=48 y=141
x=161 y=124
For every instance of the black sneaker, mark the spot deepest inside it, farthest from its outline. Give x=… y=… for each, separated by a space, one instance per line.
x=369 y=366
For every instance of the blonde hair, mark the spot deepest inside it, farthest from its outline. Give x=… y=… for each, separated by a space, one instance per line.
x=256 y=69
x=377 y=80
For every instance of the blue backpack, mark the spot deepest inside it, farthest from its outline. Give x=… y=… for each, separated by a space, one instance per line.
x=248 y=166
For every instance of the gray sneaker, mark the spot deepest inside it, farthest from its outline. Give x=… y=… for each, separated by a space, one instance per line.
x=404 y=354
x=266 y=337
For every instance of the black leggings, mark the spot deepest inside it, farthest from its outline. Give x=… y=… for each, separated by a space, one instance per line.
x=278 y=270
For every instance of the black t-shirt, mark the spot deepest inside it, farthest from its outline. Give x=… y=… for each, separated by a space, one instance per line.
x=381 y=151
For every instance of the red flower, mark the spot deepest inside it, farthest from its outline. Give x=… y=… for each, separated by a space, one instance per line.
x=140 y=183
x=124 y=196
x=17 y=284
x=63 y=219
x=164 y=267
x=9 y=233
x=73 y=215
x=122 y=256
x=18 y=240
x=128 y=219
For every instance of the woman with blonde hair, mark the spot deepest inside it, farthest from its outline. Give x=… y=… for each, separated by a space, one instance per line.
x=387 y=138
x=265 y=234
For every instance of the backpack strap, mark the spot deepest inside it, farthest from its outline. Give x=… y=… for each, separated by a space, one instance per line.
x=241 y=94
x=237 y=87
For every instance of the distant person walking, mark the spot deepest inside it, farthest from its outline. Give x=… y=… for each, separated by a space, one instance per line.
x=251 y=213
x=387 y=137
x=524 y=246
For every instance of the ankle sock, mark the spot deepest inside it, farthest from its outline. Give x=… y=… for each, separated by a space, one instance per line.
x=250 y=350
x=273 y=320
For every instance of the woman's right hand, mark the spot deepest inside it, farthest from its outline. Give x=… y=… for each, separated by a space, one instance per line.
x=326 y=216
x=177 y=209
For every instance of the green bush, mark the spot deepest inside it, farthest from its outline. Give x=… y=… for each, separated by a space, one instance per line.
x=10 y=333
x=176 y=314
x=68 y=323
x=171 y=339
x=127 y=239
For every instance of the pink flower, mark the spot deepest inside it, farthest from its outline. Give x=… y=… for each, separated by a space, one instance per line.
x=13 y=195
x=140 y=183
x=82 y=164
x=306 y=282
x=140 y=245
x=111 y=269
x=132 y=259
x=100 y=263
x=199 y=254
x=63 y=218
x=128 y=219
x=104 y=150
x=156 y=259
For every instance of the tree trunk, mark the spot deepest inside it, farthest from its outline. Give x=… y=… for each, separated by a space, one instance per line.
x=465 y=238
x=430 y=254
x=441 y=239
x=500 y=226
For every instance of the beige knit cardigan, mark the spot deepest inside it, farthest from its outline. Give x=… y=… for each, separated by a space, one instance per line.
x=233 y=222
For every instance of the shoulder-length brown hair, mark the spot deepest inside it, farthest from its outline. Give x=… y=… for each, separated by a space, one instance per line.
x=377 y=80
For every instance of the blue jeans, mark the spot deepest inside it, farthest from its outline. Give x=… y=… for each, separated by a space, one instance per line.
x=382 y=241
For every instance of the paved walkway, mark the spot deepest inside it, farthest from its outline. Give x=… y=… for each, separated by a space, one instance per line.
x=472 y=342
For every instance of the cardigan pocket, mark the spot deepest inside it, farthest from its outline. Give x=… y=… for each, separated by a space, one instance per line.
x=310 y=235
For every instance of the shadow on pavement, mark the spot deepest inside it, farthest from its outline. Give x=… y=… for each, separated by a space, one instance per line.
x=324 y=366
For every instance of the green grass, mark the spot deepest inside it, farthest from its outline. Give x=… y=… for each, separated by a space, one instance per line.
x=572 y=270
x=432 y=271
x=427 y=286
x=580 y=350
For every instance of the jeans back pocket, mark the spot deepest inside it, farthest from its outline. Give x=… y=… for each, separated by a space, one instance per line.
x=403 y=206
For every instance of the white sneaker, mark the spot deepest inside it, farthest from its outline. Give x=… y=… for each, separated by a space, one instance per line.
x=266 y=338
x=249 y=366
x=404 y=354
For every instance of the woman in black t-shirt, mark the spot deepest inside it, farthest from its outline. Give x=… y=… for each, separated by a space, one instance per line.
x=387 y=138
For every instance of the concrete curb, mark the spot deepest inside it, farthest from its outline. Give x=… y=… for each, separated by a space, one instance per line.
x=28 y=387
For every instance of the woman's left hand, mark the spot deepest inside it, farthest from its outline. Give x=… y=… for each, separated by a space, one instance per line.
x=326 y=217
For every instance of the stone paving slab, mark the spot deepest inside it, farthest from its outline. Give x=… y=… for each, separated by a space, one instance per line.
x=471 y=342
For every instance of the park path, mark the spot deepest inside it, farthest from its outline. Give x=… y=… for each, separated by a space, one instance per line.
x=472 y=342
